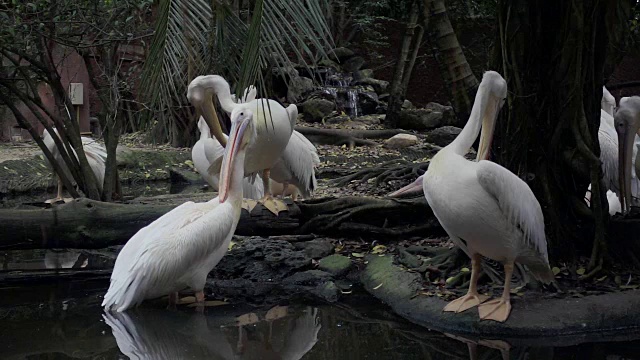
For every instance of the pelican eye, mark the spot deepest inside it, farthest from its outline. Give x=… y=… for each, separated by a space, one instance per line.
x=241 y=114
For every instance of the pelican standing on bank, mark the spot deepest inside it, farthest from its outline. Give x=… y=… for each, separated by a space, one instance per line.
x=179 y=249
x=627 y=125
x=94 y=151
x=486 y=209
x=273 y=123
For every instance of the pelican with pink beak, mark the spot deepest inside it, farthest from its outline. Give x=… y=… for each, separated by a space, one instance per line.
x=273 y=124
x=627 y=125
x=179 y=249
x=486 y=209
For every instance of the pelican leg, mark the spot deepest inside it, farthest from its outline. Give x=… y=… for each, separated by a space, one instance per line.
x=59 y=196
x=472 y=298
x=200 y=301
x=273 y=205
x=499 y=309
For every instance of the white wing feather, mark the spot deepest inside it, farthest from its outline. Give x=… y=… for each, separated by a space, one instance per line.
x=517 y=202
x=608 y=139
x=297 y=164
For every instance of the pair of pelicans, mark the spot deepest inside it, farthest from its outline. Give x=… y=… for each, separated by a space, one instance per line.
x=486 y=210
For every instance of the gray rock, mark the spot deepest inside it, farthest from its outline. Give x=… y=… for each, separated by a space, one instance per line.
x=309 y=278
x=335 y=264
x=443 y=136
x=338 y=119
x=352 y=64
x=368 y=101
x=420 y=119
x=314 y=110
x=373 y=119
x=401 y=141
x=299 y=86
x=448 y=116
x=407 y=104
x=327 y=291
x=340 y=54
x=329 y=63
x=380 y=86
x=315 y=249
x=363 y=74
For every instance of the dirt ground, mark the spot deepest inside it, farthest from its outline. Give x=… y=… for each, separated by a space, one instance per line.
x=17 y=151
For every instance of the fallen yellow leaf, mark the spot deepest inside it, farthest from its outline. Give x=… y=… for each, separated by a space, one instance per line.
x=379 y=249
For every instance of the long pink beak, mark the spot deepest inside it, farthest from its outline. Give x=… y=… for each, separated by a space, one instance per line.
x=229 y=158
x=412 y=189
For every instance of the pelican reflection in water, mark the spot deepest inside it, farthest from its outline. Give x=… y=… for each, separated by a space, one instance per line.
x=159 y=334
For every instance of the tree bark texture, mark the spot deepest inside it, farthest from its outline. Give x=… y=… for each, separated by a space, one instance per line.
x=88 y=224
x=552 y=55
x=455 y=70
x=396 y=95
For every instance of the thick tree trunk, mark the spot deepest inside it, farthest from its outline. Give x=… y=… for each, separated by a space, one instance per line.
x=87 y=224
x=455 y=70
x=552 y=55
x=396 y=95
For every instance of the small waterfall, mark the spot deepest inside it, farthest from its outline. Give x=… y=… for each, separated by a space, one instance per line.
x=352 y=95
x=339 y=86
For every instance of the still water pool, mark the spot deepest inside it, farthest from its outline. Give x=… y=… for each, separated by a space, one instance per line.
x=61 y=318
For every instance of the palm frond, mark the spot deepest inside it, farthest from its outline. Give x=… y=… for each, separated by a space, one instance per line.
x=195 y=37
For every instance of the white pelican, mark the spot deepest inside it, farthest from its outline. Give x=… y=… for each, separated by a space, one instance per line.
x=156 y=334
x=274 y=125
x=297 y=166
x=178 y=250
x=94 y=151
x=609 y=151
x=627 y=124
x=486 y=210
x=608 y=102
x=206 y=151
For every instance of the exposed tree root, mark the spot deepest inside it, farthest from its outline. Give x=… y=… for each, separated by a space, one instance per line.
x=397 y=169
x=595 y=271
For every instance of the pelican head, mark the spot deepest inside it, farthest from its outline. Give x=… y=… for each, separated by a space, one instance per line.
x=495 y=88
x=627 y=124
x=242 y=133
x=200 y=94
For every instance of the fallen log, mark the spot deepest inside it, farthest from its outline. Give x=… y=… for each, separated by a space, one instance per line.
x=88 y=224
x=348 y=137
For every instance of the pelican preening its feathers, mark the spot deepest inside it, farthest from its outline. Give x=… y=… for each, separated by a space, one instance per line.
x=178 y=250
x=280 y=153
x=486 y=209
x=273 y=123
